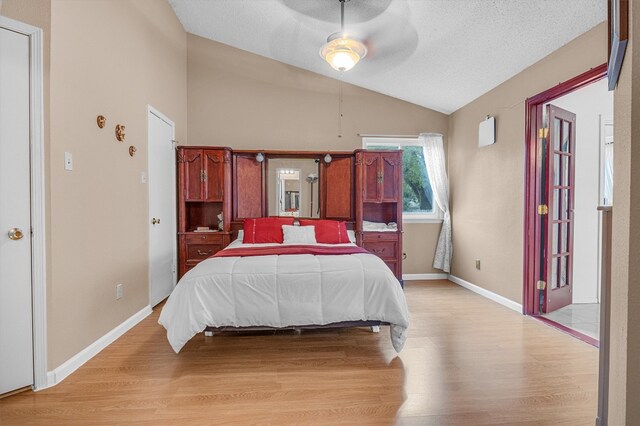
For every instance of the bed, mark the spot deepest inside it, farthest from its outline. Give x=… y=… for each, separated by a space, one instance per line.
x=297 y=284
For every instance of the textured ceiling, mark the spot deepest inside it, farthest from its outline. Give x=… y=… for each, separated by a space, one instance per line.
x=440 y=54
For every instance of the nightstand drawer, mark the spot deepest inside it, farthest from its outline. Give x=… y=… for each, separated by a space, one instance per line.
x=383 y=249
x=202 y=251
x=204 y=238
x=379 y=236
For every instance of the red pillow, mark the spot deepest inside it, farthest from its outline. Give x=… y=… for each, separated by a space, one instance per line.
x=328 y=231
x=265 y=230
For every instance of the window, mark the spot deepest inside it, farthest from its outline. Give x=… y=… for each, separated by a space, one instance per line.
x=418 y=203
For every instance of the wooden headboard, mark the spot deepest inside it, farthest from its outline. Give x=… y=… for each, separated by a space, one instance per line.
x=250 y=187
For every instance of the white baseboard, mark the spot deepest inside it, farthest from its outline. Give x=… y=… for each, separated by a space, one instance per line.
x=62 y=372
x=414 y=277
x=486 y=293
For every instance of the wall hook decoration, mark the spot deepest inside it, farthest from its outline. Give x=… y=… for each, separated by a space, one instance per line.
x=101 y=121
x=120 y=132
x=132 y=150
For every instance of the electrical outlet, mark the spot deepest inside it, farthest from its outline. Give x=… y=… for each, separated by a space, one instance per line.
x=119 y=291
x=478 y=264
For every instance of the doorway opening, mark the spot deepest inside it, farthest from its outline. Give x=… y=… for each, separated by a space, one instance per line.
x=569 y=152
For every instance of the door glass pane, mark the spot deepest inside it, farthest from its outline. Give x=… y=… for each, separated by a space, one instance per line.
x=556 y=169
x=563 y=271
x=554 y=242
x=563 y=237
x=556 y=134
x=565 y=136
x=565 y=170
x=565 y=204
x=554 y=272
x=561 y=214
x=556 y=207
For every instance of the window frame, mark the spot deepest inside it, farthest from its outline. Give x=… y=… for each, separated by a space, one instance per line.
x=437 y=215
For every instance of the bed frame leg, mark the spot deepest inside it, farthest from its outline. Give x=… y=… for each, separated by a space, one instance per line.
x=208 y=333
x=375 y=329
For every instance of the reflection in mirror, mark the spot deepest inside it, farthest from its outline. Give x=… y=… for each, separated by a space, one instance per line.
x=288 y=192
x=293 y=187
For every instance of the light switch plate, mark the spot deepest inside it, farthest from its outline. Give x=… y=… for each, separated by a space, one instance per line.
x=119 y=291
x=68 y=161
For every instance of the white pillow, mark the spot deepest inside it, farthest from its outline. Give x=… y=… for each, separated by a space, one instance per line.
x=352 y=235
x=299 y=234
x=240 y=235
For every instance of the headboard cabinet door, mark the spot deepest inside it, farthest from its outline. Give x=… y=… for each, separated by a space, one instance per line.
x=248 y=187
x=337 y=189
x=214 y=168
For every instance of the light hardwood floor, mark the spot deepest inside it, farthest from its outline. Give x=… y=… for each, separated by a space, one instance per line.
x=467 y=361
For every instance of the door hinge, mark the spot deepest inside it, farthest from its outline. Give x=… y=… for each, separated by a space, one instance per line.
x=543 y=209
x=541 y=285
x=543 y=133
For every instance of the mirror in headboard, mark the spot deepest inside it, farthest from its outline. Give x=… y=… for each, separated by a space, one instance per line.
x=293 y=187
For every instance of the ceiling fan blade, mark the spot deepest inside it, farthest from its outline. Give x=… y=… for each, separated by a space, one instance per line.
x=308 y=41
x=389 y=43
x=356 y=11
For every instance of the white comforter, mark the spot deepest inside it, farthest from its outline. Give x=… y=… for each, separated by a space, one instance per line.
x=284 y=290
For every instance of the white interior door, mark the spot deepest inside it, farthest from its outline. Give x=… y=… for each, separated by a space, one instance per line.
x=16 y=336
x=162 y=208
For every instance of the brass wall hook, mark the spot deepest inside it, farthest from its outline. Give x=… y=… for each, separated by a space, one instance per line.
x=101 y=121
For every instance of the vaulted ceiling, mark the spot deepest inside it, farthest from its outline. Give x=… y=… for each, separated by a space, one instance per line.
x=440 y=54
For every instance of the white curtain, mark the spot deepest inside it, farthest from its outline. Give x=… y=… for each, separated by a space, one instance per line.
x=435 y=162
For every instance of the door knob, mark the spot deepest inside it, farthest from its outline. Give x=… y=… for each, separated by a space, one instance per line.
x=16 y=234
x=155 y=221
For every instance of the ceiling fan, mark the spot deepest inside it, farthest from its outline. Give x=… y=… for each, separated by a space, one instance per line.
x=379 y=30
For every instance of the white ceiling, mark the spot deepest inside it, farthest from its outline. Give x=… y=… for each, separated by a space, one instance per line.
x=440 y=54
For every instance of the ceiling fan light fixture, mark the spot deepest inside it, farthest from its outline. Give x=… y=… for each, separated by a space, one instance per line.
x=343 y=52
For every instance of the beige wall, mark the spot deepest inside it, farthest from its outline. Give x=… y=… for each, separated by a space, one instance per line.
x=624 y=385
x=487 y=184
x=246 y=101
x=110 y=58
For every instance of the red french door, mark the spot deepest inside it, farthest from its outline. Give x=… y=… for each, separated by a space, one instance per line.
x=557 y=217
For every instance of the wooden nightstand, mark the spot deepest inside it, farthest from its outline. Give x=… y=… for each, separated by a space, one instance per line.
x=198 y=246
x=385 y=245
